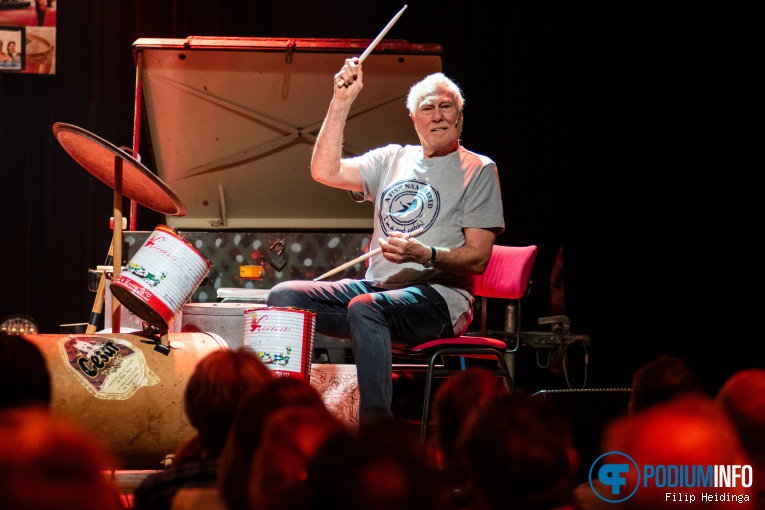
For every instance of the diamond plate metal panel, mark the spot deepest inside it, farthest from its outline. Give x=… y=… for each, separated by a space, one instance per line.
x=307 y=255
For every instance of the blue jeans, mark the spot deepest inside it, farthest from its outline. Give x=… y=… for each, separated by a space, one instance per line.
x=375 y=320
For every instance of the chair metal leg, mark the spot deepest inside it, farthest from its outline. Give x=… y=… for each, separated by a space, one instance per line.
x=503 y=371
x=506 y=371
x=428 y=390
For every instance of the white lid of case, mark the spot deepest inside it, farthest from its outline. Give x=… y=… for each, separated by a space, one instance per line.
x=233 y=292
x=232 y=123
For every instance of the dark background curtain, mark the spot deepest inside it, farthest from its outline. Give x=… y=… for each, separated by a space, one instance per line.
x=621 y=132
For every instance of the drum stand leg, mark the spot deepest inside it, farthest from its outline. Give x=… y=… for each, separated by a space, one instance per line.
x=98 y=305
x=157 y=335
x=163 y=345
x=117 y=240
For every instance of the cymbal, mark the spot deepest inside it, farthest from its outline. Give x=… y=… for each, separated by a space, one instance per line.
x=97 y=155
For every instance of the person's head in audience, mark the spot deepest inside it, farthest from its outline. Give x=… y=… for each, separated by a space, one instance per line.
x=215 y=390
x=517 y=452
x=742 y=398
x=213 y=393
x=24 y=376
x=663 y=379
x=290 y=439
x=382 y=468
x=244 y=438
x=47 y=462
x=455 y=399
x=687 y=431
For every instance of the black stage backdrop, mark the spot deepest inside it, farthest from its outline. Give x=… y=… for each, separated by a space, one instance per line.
x=620 y=131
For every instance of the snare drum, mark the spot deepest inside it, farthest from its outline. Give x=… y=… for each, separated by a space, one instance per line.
x=282 y=338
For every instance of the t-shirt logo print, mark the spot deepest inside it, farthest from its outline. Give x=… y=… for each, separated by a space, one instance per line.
x=408 y=205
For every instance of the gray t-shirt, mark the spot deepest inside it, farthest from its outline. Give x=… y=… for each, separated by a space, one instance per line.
x=443 y=196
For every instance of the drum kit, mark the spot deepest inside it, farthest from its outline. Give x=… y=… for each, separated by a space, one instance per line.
x=127 y=177
x=166 y=271
x=161 y=277
x=110 y=381
x=111 y=377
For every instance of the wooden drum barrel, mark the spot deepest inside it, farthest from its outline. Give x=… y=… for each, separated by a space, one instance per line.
x=126 y=393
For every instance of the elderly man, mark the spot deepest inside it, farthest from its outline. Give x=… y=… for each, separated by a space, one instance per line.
x=418 y=288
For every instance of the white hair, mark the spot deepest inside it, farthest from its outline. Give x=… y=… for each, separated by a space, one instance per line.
x=431 y=84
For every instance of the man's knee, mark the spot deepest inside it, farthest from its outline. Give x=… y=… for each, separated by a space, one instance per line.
x=364 y=307
x=283 y=294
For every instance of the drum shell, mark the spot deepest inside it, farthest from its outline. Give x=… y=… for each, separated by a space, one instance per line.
x=282 y=338
x=161 y=276
x=224 y=319
x=144 y=427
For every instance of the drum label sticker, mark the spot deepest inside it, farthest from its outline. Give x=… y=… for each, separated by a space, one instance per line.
x=275 y=358
x=260 y=324
x=109 y=368
x=151 y=279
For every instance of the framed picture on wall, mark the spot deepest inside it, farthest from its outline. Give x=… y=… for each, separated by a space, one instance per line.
x=29 y=28
x=40 y=51
x=12 y=49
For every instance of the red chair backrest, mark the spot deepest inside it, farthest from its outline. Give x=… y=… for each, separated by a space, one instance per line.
x=507 y=275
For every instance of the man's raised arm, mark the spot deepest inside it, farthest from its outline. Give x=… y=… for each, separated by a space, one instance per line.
x=327 y=165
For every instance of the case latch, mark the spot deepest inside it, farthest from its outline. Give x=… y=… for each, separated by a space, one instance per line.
x=290 y=50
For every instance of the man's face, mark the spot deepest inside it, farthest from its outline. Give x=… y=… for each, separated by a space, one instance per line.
x=438 y=123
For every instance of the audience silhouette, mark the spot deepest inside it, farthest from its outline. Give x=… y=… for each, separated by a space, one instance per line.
x=46 y=461
x=214 y=391
x=660 y=380
x=455 y=399
x=663 y=379
x=517 y=452
x=246 y=432
x=270 y=443
x=291 y=437
x=688 y=431
x=742 y=398
x=24 y=376
x=381 y=468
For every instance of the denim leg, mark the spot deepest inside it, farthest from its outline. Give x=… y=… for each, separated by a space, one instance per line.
x=408 y=316
x=373 y=319
x=328 y=299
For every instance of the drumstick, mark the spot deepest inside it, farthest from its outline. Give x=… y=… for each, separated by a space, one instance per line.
x=381 y=35
x=363 y=257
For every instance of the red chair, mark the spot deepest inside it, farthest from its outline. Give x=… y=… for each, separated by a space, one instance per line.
x=506 y=277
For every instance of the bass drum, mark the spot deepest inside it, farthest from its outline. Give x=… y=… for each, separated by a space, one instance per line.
x=125 y=392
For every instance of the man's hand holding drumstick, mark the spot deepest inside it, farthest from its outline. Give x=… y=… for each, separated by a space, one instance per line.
x=397 y=251
x=401 y=248
x=348 y=81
